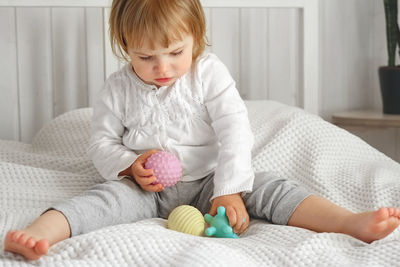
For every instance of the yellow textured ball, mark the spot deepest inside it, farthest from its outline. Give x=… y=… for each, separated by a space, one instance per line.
x=187 y=219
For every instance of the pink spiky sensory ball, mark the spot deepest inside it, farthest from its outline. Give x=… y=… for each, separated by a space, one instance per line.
x=166 y=168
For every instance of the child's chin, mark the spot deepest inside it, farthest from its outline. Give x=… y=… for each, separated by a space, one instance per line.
x=165 y=84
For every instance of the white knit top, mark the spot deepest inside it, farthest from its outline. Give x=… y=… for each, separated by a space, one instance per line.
x=200 y=118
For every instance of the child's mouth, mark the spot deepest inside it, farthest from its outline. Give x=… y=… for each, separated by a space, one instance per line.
x=163 y=80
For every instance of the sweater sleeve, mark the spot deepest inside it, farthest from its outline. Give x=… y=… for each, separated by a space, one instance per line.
x=230 y=122
x=106 y=150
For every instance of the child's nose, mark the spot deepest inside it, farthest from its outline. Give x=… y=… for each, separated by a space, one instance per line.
x=162 y=65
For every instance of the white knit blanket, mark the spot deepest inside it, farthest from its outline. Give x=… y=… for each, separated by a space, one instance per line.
x=289 y=141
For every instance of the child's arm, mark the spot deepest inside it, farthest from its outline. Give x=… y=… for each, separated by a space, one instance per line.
x=106 y=149
x=234 y=173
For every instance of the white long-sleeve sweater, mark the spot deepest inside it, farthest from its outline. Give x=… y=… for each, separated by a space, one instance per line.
x=200 y=118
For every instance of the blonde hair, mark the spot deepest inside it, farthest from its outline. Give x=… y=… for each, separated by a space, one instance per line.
x=132 y=22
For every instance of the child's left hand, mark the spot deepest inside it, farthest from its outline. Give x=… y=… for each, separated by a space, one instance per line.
x=235 y=210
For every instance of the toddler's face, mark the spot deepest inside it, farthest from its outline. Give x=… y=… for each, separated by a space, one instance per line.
x=162 y=66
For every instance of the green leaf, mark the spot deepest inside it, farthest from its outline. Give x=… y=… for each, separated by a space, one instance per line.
x=392 y=30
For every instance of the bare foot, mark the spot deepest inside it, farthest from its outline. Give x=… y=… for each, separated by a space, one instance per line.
x=26 y=244
x=374 y=225
x=34 y=241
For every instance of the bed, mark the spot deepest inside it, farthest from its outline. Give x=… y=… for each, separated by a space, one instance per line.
x=289 y=141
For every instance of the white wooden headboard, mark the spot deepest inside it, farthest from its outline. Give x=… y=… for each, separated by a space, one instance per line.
x=307 y=95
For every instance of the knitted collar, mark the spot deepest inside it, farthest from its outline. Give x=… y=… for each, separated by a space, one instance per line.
x=138 y=82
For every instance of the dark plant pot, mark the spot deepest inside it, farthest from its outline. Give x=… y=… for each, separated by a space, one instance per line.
x=389 y=78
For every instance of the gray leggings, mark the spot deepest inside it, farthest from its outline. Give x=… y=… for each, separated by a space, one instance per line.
x=117 y=202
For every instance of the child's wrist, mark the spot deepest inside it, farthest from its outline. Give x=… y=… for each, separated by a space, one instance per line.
x=126 y=172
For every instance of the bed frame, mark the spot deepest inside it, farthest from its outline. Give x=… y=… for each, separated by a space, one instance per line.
x=26 y=111
x=310 y=95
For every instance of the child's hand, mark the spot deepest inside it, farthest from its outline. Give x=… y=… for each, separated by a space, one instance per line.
x=144 y=177
x=235 y=210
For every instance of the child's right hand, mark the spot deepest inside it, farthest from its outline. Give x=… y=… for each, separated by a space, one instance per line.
x=144 y=177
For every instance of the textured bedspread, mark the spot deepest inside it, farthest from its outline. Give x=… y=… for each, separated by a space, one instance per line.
x=294 y=144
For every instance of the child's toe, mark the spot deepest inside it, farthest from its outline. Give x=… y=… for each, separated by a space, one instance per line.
x=22 y=239
x=41 y=247
x=9 y=236
x=15 y=236
x=392 y=211
x=396 y=212
x=30 y=243
x=382 y=214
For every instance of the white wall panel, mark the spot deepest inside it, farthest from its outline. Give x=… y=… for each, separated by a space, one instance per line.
x=283 y=50
x=94 y=48
x=207 y=13
x=333 y=74
x=347 y=52
x=358 y=48
x=261 y=49
x=225 y=38
x=9 y=102
x=34 y=69
x=254 y=75
x=68 y=27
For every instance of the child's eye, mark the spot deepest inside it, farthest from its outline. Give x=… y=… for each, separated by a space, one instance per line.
x=177 y=53
x=145 y=58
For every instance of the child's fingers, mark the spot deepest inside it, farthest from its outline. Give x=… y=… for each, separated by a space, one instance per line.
x=146 y=155
x=138 y=166
x=241 y=220
x=238 y=225
x=140 y=171
x=231 y=214
x=245 y=224
x=213 y=209
x=143 y=181
x=153 y=188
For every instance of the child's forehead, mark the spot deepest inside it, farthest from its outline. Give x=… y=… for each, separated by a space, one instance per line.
x=151 y=46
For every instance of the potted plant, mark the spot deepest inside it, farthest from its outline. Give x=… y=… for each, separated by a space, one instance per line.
x=389 y=76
